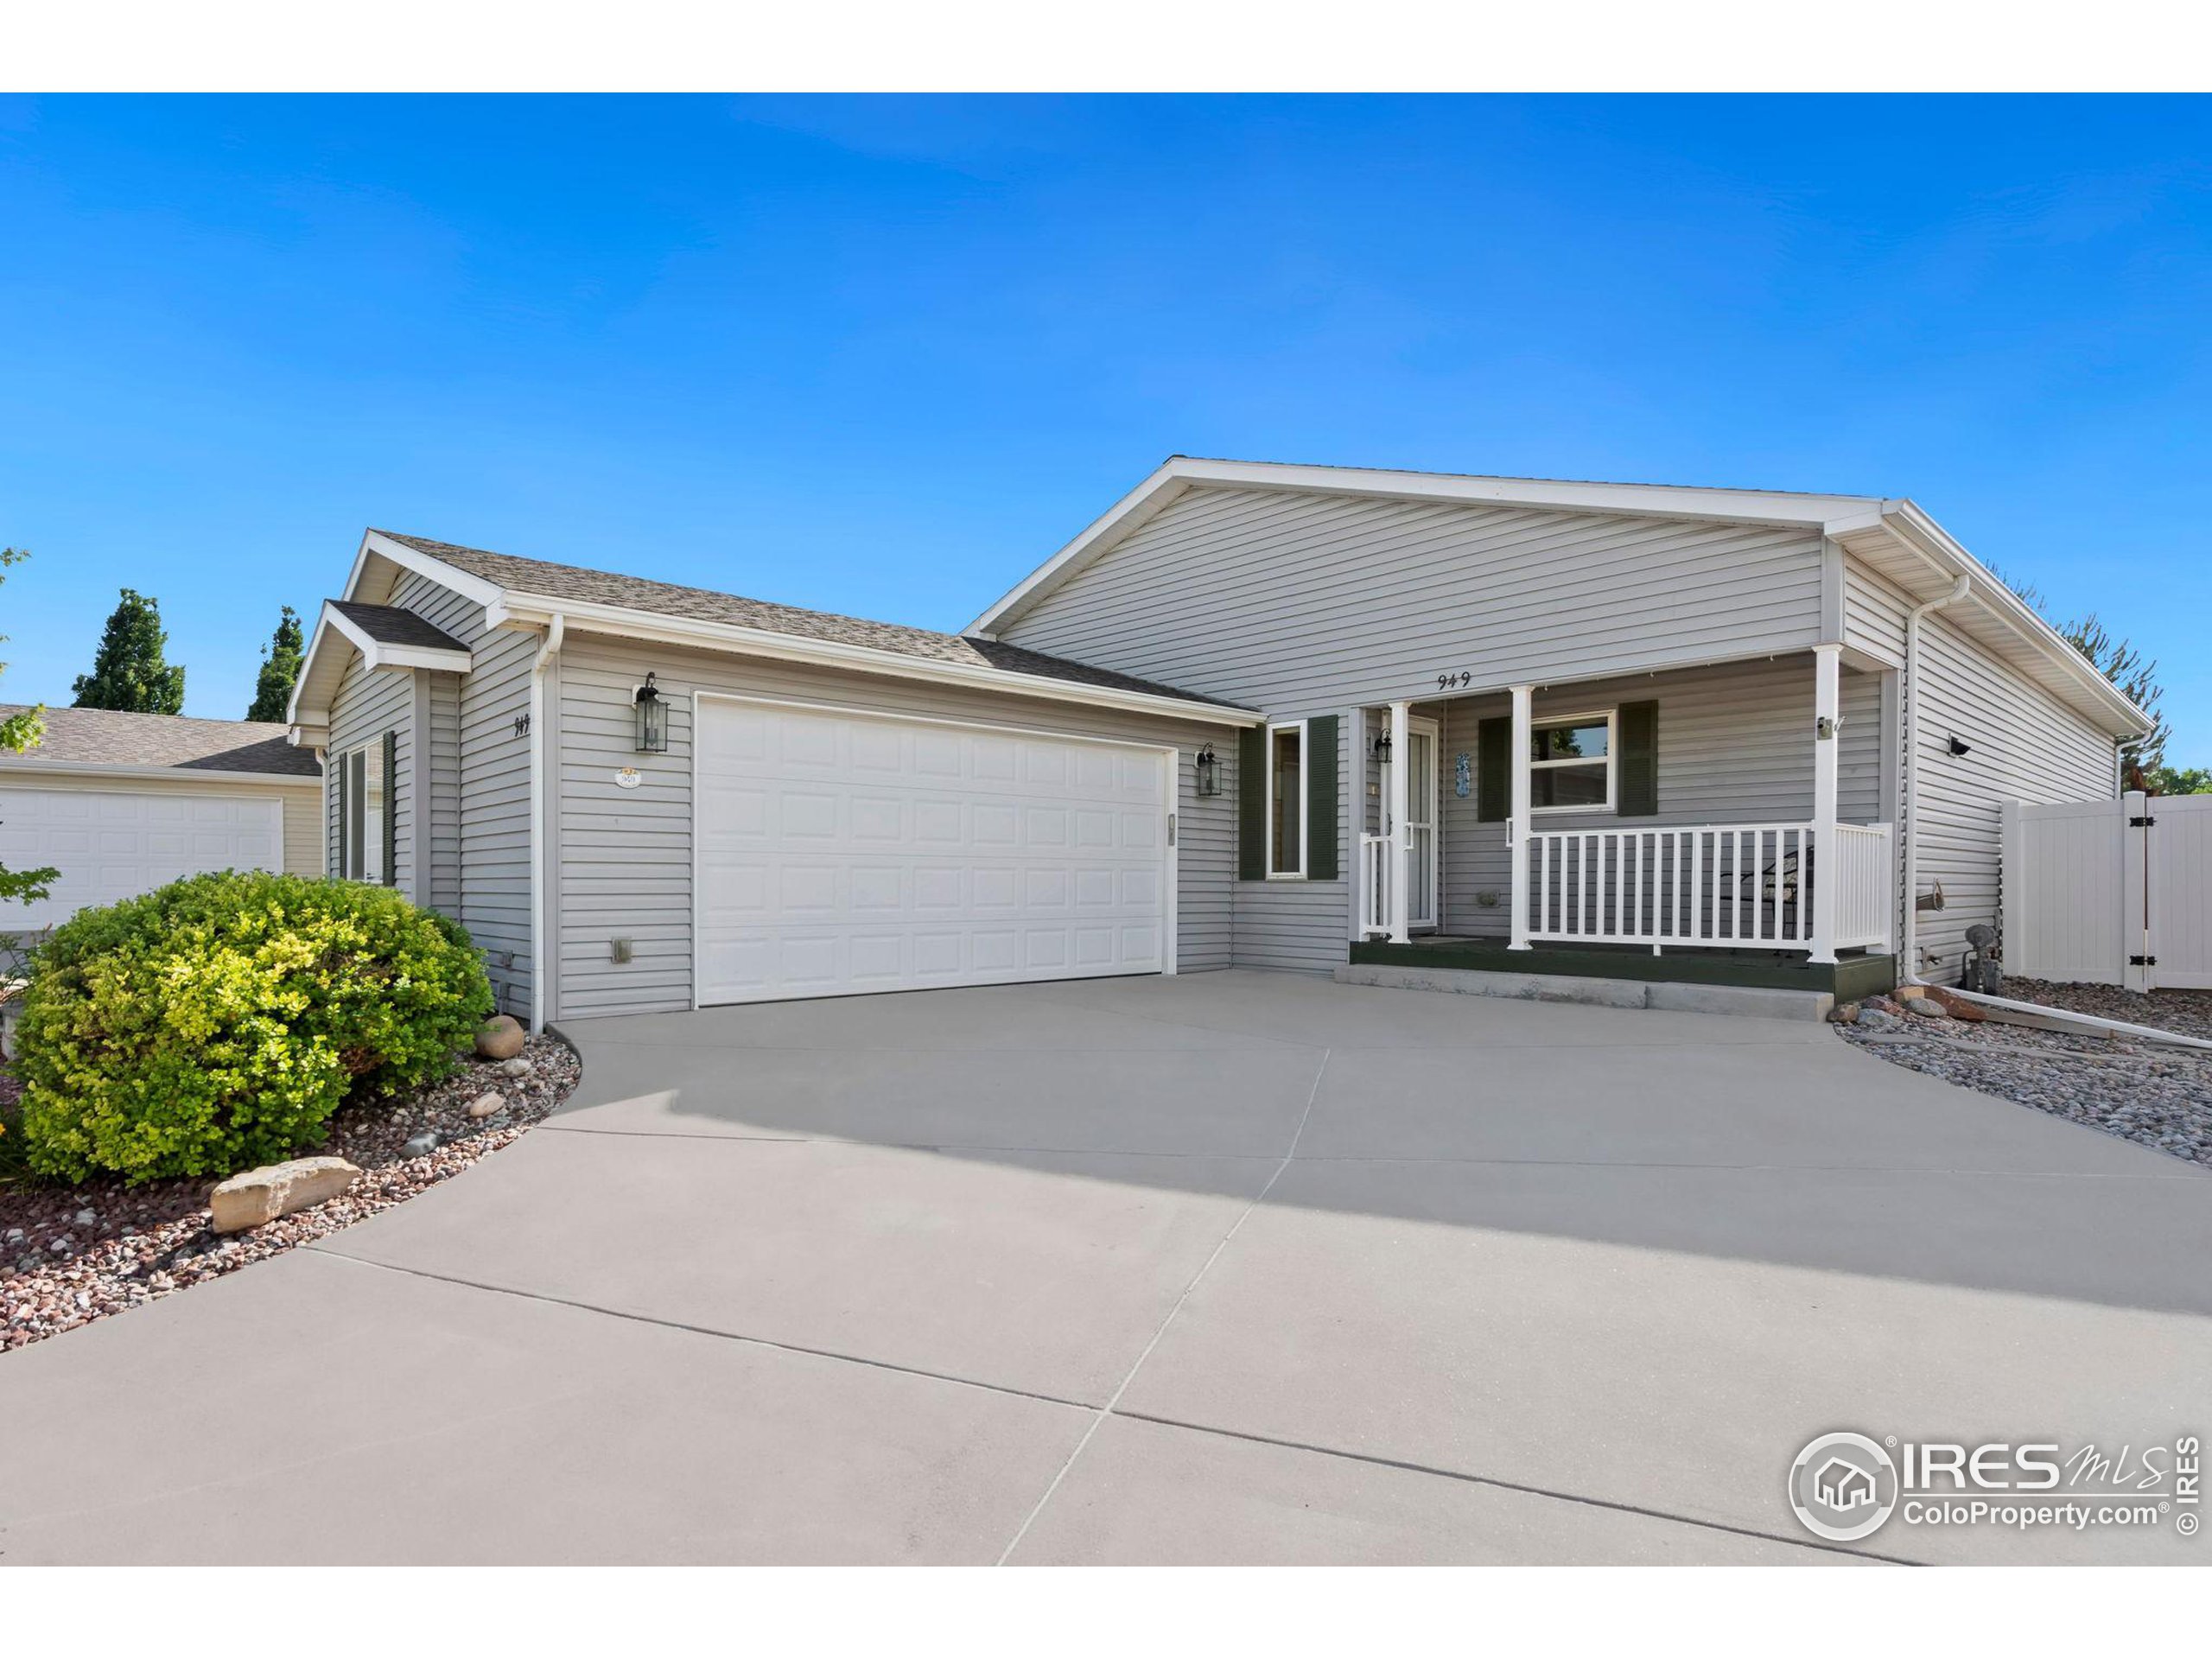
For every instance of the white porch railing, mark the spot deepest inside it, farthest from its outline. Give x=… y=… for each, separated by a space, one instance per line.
x=1864 y=870
x=1374 y=867
x=1729 y=886
x=1733 y=885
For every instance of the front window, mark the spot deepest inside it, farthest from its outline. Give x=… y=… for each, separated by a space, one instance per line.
x=367 y=807
x=1286 y=800
x=1571 y=764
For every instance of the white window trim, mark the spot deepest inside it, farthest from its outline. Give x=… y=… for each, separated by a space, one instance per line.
x=1305 y=803
x=1591 y=717
x=342 y=762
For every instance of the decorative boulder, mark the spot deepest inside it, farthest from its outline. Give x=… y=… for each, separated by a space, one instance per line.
x=262 y=1195
x=485 y=1104
x=419 y=1146
x=1843 y=1013
x=1910 y=993
x=1956 y=1006
x=1927 y=1008
x=500 y=1038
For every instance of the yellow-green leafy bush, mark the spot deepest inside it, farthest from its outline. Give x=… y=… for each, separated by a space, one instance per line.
x=217 y=1023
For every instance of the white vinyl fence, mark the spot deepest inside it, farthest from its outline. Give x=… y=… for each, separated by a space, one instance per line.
x=2111 y=893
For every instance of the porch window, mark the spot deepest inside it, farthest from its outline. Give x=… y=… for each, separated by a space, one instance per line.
x=1286 y=802
x=1571 y=764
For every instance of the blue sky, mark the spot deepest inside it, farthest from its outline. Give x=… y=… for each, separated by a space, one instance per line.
x=883 y=355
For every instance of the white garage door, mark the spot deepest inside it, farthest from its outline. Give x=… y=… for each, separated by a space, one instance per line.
x=845 y=853
x=110 y=845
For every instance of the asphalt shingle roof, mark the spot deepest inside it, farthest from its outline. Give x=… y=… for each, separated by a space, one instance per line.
x=704 y=605
x=388 y=625
x=109 y=737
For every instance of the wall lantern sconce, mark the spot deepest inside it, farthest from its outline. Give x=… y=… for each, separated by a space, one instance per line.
x=1958 y=747
x=653 y=719
x=1209 y=771
x=1382 y=748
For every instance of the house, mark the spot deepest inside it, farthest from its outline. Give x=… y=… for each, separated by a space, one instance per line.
x=122 y=803
x=1843 y=1486
x=1647 y=740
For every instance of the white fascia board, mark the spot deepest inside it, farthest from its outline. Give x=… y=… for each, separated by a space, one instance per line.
x=1910 y=524
x=1644 y=500
x=525 y=610
x=472 y=587
x=310 y=665
x=63 y=770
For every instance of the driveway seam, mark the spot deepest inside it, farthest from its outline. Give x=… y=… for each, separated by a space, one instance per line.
x=1378 y=1461
x=1107 y=1410
x=703 y=1330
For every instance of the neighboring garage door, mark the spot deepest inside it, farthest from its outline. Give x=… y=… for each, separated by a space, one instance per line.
x=110 y=844
x=847 y=853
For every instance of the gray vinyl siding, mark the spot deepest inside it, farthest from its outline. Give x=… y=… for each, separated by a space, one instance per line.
x=1873 y=613
x=1293 y=601
x=442 y=788
x=2025 y=746
x=488 y=823
x=1735 y=747
x=303 y=832
x=1305 y=604
x=370 y=702
x=624 y=855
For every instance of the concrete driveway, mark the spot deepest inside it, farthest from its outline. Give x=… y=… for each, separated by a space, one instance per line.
x=1230 y=1268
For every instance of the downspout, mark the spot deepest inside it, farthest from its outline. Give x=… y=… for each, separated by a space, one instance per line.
x=1908 y=957
x=548 y=648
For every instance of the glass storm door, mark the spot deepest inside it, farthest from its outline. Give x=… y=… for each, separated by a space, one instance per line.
x=1420 y=819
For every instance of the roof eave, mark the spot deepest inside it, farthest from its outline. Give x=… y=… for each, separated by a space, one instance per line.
x=525 y=609
x=1910 y=523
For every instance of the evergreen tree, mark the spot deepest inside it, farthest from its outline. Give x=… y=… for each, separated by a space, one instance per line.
x=129 y=671
x=280 y=667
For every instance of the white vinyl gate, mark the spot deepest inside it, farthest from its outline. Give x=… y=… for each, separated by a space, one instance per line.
x=2111 y=893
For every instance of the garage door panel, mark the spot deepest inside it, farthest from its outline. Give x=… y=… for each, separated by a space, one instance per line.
x=114 y=844
x=854 y=852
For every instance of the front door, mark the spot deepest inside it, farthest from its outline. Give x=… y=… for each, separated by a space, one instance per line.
x=1421 y=741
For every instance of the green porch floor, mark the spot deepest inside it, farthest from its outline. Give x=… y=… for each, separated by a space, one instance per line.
x=1847 y=980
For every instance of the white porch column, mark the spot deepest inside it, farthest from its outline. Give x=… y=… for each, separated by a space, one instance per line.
x=1401 y=831
x=1827 y=871
x=1517 y=824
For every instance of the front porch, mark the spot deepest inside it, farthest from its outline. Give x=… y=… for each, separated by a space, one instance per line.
x=1722 y=824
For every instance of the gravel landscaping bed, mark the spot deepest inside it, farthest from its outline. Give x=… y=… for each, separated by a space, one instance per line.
x=2157 y=1097
x=70 y=1255
x=2186 y=1014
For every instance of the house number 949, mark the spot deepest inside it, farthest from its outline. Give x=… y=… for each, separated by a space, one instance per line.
x=1454 y=682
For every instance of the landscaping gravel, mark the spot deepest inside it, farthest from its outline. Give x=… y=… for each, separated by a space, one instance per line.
x=70 y=1255
x=2159 y=1097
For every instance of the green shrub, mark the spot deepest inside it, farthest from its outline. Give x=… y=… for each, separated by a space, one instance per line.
x=217 y=1023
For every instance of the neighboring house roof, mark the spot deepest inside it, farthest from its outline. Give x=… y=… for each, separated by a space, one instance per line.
x=390 y=625
x=100 y=738
x=538 y=579
x=1892 y=536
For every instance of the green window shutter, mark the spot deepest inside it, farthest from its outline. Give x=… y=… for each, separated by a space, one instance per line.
x=1636 y=775
x=1494 y=769
x=1322 y=810
x=335 y=764
x=1251 y=805
x=390 y=828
